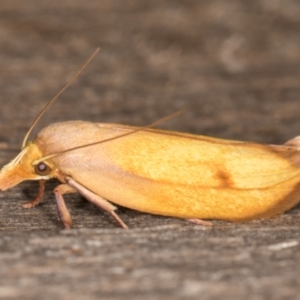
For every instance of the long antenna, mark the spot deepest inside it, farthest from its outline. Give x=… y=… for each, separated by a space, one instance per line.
x=110 y=139
x=56 y=96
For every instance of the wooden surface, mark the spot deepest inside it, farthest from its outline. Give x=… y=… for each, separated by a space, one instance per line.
x=233 y=66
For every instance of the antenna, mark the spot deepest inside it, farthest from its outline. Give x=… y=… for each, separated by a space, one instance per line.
x=56 y=96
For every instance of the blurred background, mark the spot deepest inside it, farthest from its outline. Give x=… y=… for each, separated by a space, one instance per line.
x=234 y=68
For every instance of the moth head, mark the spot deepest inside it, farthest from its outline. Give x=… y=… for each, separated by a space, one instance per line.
x=26 y=166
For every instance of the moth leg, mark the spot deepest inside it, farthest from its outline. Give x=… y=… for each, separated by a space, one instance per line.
x=39 y=196
x=97 y=200
x=200 y=222
x=62 y=210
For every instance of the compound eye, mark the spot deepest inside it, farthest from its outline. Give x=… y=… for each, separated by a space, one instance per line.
x=42 y=169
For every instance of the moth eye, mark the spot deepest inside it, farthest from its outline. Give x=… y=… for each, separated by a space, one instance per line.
x=42 y=169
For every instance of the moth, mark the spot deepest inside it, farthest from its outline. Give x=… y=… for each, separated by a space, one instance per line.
x=158 y=172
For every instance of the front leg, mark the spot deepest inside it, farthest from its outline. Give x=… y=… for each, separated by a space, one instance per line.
x=39 y=196
x=62 y=210
x=96 y=199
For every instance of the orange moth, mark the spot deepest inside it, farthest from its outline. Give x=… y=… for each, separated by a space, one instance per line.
x=158 y=172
